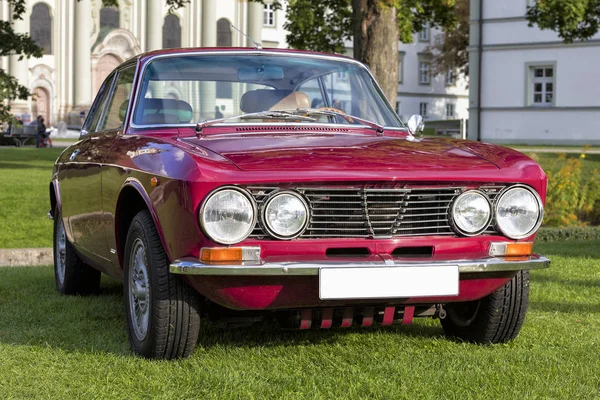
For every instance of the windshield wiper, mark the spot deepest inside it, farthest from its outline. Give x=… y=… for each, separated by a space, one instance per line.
x=285 y=115
x=333 y=112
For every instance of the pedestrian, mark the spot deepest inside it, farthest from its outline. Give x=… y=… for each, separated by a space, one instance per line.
x=41 y=132
x=218 y=113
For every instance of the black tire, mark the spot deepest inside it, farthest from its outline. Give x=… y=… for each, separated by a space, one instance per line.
x=163 y=319
x=496 y=318
x=71 y=274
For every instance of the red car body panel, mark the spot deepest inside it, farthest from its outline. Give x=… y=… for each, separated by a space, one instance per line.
x=189 y=166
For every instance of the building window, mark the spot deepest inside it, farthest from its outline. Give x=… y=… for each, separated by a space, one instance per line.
x=424 y=33
x=424 y=72
x=423 y=110
x=224 y=39
x=398 y=107
x=450 y=78
x=171 y=32
x=109 y=17
x=269 y=15
x=401 y=68
x=542 y=85
x=41 y=27
x=450 y=110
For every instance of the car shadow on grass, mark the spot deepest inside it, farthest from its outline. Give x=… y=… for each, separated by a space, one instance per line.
x=33 y=313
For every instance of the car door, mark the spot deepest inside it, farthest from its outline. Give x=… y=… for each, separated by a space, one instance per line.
x=80 y=182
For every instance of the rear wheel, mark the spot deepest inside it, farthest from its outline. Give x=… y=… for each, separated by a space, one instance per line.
x=496 y=318
x=72 y=276
x=162 y=310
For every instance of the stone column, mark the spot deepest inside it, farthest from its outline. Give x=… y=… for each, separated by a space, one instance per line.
x=255 y=23
x=82 y=55
x=208 y=90
x=20 y=68
x=154 y=24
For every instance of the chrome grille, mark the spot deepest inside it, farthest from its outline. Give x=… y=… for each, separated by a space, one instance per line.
x=374 y=211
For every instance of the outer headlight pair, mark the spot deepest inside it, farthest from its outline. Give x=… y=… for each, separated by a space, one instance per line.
x=519 y=212
x=228 y=215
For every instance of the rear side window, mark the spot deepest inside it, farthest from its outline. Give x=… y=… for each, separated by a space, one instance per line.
x=99 y=104
x=118 y=101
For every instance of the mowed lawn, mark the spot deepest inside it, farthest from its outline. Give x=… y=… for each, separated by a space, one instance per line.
x=25 y=175
x=54 y=346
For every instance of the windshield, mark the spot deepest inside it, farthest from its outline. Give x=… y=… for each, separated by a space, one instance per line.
x=187 y=89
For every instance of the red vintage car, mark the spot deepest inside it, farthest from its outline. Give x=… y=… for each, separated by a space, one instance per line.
x=237 y=182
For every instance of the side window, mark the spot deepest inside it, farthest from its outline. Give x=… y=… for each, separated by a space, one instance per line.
x=96 y=111
x=118 y=101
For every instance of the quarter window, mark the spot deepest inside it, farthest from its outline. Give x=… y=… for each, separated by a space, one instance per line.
x=118 y=101
x=98 y=107
x=269 y=15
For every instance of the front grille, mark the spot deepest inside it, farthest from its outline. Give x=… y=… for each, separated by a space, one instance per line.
x=374 y=211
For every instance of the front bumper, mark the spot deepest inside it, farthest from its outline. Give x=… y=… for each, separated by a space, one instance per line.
x=311 y=268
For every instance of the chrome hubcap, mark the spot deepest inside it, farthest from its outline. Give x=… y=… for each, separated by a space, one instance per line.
x=60 y=251
x=139 y=290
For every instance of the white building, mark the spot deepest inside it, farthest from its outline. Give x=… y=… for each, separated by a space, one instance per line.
x=83 y=42
x=528 y=86
x=420 y=91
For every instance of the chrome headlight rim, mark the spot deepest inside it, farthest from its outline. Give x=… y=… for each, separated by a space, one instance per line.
x=265 y=206
x=455 y=226
x=540 y=210
x=214 y=192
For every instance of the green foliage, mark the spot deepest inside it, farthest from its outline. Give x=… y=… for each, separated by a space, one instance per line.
x=572 y=19
x=570 y=233
x=573 y=198
x=450 y=49
x=324 y=25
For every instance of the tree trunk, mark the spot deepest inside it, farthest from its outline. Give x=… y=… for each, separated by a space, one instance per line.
x=376 y=42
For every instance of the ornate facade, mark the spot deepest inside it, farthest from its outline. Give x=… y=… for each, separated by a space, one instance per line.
x=83 y=42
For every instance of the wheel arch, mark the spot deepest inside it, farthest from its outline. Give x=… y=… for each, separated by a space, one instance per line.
x=132 y=199
x=55 y=201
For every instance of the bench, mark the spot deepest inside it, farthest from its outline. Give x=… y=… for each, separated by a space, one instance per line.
x=20 y=135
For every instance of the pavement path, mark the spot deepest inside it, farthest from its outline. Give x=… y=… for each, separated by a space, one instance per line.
x=26 y=257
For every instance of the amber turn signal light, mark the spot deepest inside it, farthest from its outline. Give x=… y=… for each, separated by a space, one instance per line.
x=519 y=249
x=233 y=255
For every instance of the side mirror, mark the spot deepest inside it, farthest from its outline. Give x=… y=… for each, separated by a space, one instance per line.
x=416 y=125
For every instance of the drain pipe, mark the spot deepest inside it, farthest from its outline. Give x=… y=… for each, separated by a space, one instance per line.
x=479 y=70
x=475 y=68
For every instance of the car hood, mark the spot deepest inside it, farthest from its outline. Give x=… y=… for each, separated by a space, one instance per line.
x=341 y=152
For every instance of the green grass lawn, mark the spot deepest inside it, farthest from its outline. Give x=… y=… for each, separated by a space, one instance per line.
x=55 y=346
x=24 y=200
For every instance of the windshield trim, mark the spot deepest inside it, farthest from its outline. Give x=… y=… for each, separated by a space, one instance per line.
x=142 y=73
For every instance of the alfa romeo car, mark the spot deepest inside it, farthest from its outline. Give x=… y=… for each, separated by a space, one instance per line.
x=241 y=183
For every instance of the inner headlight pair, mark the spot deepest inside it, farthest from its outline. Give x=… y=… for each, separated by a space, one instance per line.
x=229 y=215
x=519 y=212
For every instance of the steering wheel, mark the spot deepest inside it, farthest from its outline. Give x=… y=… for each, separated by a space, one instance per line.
x=347 y=118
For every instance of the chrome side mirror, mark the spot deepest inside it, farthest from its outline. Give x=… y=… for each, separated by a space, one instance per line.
x=416 y=125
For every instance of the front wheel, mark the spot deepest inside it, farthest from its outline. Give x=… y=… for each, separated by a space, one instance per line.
x=496 y=318
x=162 y=311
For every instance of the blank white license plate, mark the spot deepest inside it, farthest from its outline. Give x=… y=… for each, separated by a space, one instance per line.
x=382 y=282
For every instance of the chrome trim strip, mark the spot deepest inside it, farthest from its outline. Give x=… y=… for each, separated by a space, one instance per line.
x=311 y=268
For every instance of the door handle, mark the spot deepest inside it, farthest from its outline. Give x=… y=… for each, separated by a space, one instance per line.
x=74 y=154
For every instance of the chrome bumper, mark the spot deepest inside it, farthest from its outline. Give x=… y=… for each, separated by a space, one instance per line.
x=194 y=267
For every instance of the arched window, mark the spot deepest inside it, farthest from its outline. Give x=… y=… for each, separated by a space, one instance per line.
x=223 y=33
x=171 y=32
x=40 y=25
x=109 y=17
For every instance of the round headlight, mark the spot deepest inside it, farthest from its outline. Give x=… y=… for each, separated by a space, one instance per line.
x=285 y=215
x=471 y=212
x=227 y=216
x=519 y=212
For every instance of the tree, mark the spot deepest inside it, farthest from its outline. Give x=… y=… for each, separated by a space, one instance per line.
x=375 y=25
x=21 y=44
x=450 y=49
x=572 y=19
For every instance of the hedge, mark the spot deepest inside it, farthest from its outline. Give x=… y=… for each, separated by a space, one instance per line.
x=571 y=233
